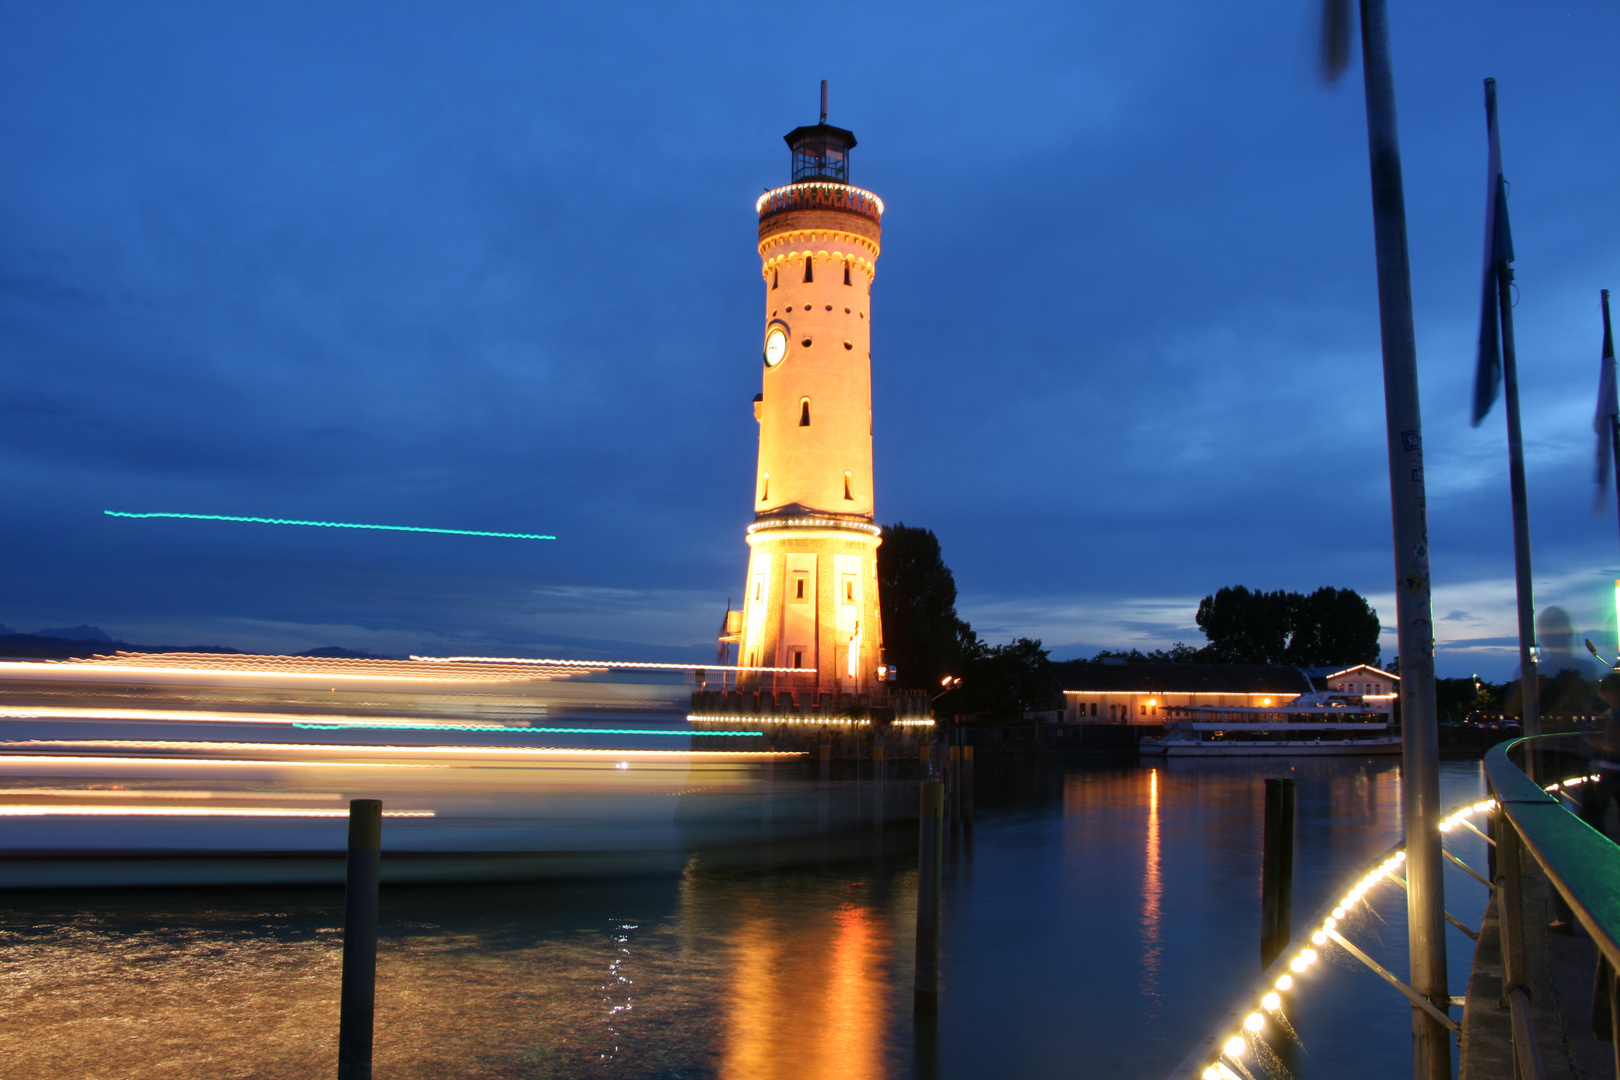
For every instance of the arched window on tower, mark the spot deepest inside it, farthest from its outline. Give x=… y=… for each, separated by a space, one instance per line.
x=776 y=277
x=846 y=272
x=848 y=494
x=804 y=412
x=809 y=274
x=765 y=488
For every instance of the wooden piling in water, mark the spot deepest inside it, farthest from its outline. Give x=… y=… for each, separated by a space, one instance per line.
x=967 y=785
x=878 y=779
x=358 y=1001
x=930 y=865
x=1277 y=871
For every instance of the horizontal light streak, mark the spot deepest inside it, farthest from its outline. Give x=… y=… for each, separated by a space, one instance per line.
x=161 y=793
x=114 y=666
x=330 y=524
x=385 y=725
x=601 y=665
x=757 y=719
x=316 y=721
x=328 y=750
x=191 y=811
x=839 y=721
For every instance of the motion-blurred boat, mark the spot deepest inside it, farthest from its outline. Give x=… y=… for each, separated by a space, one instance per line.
x=206 y=769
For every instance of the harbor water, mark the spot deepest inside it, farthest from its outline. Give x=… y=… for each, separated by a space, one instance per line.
x=1099 y=916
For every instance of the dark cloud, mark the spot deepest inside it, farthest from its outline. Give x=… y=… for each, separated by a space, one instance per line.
x=494 y=268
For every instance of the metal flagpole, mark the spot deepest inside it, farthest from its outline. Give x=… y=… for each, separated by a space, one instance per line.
x=1529 y=677
x=1420 y=774
x=1614 y=418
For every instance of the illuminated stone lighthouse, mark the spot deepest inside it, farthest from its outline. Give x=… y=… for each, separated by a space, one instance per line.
x=811 y=599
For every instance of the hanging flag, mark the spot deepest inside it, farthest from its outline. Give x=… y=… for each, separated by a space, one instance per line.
x=1498 y=249
x=1608 y=405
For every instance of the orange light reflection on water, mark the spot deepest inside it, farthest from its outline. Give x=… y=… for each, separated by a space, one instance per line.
x=807 y=1004
x=1152 y=895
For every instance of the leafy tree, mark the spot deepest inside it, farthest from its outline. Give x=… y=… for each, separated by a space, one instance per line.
x=1455 y=699
x=1178 y=653
x=922 y=634
x=1330 y=626
x=1003 y=681
x=1245 y=627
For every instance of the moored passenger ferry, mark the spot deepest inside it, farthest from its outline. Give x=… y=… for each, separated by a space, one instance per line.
x=1312 y=724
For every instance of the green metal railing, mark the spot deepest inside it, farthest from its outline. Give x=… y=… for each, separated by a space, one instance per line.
x=1581 y=863
x=1523 y=818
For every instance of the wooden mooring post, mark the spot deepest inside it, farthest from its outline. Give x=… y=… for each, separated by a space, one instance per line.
x=967 y=785
x=1277 y=871
x=930 y=866
x=358 y=1001
x=877 y=786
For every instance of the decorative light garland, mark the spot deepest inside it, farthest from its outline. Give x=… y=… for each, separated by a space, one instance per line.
x=814 y=523
x=830 y=720
x=810 y=185
x=751 y=719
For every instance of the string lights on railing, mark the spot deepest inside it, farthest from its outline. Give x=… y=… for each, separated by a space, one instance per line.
x=1238 y=1043
x=1241 y=1041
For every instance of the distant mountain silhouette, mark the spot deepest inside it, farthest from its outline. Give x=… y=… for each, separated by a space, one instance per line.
x=338 y=652
x=15 y=646
x=76 y=633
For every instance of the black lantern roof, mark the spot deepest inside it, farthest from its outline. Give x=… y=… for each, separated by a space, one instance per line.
x=820 y=152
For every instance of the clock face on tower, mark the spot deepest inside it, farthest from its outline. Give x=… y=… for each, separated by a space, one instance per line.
x=776 y=346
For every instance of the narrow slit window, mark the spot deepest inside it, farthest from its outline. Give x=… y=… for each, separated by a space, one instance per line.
x=846 y=274
x=848 y=494
x=775 y=276
x=798 y=658
x=809 y=274
x=804 y=412
x=765 y=487
x=798 y=589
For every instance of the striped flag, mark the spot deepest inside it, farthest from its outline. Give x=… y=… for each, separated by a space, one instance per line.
x=1608 y=404
x=1498 y=249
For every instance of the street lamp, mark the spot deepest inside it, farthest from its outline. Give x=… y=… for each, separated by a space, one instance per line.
x=949 y=682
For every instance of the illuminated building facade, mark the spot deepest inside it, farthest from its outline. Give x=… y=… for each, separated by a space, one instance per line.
x=1100 y=692
x=811 y=598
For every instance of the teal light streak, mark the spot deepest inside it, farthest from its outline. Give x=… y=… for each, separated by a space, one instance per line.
x=523 y=730
x=332 y=524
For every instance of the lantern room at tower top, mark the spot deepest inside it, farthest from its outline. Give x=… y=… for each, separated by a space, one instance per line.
x=820 y=152
x=810 y=626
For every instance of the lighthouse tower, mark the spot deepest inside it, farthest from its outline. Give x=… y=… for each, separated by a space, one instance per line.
x=811 y=597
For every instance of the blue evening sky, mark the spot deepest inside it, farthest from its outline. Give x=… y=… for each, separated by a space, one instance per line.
x=492 y=266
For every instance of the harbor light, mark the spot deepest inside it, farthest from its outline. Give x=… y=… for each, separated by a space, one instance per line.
x=1285 y=982
x=1234 y=1047
x=1255 y=1022
x=1271 y=1002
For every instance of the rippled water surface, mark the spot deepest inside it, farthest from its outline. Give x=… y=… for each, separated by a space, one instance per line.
x=1099 y=917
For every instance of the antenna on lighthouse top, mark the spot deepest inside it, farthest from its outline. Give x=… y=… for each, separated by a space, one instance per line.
x=823 y=101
